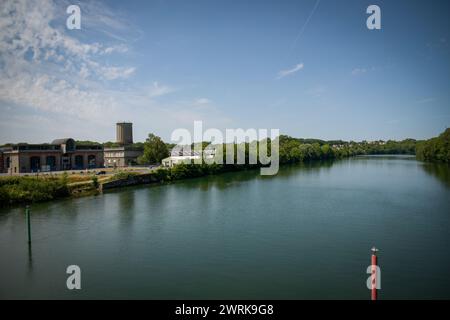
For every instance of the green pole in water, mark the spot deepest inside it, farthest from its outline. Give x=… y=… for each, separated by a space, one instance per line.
x=27 y=213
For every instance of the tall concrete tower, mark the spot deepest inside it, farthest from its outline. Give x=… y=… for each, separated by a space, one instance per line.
x=124 y=133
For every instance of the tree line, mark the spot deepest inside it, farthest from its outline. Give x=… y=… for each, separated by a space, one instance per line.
x=435 y=149
x=293 y=150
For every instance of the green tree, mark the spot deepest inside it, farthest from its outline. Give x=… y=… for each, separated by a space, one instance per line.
x=435 y=149
x=154 y=150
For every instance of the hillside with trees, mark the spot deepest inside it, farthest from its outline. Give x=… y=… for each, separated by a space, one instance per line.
x=435 y=149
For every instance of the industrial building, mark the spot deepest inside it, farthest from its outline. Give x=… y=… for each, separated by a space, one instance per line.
x=61 y=154
x=66 y=154
x=126 y=153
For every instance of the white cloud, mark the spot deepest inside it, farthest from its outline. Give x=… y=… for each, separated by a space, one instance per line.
x=42 y=64
x=50 y=94
x=284 y=73
x=358 y=71
x=47 y=71
x=111 y=73
x=156 y=90
x=202 y=101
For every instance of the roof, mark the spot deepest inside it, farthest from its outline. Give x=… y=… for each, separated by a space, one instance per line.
x=184 y=153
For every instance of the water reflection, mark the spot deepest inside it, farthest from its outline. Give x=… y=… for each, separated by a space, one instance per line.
x=126 y=205
x=315 y=167
x=30 y=259
x=232 y=179
x=440 y=171
x=223 y=236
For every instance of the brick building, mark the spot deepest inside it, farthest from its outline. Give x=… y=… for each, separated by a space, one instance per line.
x=61 y=154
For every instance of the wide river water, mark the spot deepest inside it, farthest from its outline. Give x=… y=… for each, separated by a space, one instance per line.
x=303 y=234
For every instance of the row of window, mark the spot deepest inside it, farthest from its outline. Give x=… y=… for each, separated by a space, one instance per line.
x=114 y=155
x=50 y=163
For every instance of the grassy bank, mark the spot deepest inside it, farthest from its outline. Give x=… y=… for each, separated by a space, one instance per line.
x=15 y=190
x=45 y=187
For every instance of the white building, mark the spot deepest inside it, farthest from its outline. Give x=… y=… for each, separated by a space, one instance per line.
x=184 y=157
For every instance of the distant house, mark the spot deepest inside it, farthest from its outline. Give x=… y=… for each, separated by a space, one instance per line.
x=183 y=156
x=122 y=156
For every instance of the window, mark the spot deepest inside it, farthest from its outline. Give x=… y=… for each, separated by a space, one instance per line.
x=51 y=162
x=92 y=161
x=79 y=162
x=35 y=164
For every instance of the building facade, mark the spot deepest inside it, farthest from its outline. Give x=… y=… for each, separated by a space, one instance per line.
x=2 y=161
x=121 y=156
x=61 y=154
x=126 y=154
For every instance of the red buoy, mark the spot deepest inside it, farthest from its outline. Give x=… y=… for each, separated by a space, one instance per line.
x=374 y=273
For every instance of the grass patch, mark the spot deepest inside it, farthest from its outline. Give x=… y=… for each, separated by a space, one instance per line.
x=15 y=190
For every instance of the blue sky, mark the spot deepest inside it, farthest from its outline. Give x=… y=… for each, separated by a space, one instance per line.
x=309 y=68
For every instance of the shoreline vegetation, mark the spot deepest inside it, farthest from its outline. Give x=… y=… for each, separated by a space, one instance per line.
x=435 y=149
x=16 y=190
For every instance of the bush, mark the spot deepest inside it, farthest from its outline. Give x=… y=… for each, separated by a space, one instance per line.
x=95 y=181
x=123 y=175
x=31 y=189
x=162 y=174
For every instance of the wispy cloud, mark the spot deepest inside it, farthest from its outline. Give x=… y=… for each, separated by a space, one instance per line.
x=303 y=28
x=358 y=71
x=60 y=75
x=284 y=73
x=46 y=67
x=157 y=90
x=425 y=100
x=202 y=101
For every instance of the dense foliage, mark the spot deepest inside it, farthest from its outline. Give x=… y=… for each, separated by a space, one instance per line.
x=188 y=170
x=86 y=143
x=300 y=150
x=123 y=175
x=154 y=150
x=32 y=189
x=291 y=150
x=435 y=149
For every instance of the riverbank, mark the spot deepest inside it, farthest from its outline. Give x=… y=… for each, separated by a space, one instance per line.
x=33 y=189
x=46 y=187
x=15 y=190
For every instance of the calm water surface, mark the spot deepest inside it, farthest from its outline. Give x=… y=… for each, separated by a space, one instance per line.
x=305 y=233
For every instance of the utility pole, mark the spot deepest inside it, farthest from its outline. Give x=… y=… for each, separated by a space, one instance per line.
x=27 y=213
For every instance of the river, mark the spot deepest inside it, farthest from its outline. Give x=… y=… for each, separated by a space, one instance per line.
x=303 y=234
